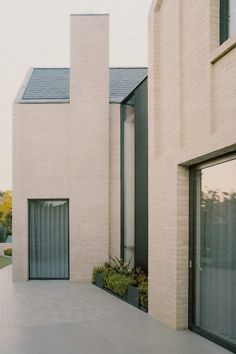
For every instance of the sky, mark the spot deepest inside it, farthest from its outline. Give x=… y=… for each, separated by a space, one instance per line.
x=36 y=33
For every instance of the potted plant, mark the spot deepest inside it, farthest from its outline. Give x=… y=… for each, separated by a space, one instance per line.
x=98 y=276
x=143 y=296
x=133 y=295
x=118 y=284
x=117 y=278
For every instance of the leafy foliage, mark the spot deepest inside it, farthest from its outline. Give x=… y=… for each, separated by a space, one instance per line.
x=120 y=266
x=99 y=269
x=6 y=211
x=118 y=276
x=118 y=284
x=8 y=252
x=143 y=294
x=139 y=276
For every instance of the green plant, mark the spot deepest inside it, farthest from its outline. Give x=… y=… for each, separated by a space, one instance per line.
x=139 y=276
x=8 y=252
x=143 y=294
x=120 y=266
x=98 y=269
x=118 y=283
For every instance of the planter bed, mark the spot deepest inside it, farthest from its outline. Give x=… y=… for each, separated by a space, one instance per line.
x=132 y=297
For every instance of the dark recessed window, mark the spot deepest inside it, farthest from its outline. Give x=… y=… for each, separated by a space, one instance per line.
x=227 y=19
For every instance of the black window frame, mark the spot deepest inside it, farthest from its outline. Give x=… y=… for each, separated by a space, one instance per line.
x=224 y=21
x=192 y=241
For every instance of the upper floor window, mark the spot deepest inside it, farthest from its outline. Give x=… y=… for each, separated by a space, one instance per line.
x=227 y=19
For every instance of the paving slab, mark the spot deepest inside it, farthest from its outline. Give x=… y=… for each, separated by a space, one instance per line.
x=62 y=317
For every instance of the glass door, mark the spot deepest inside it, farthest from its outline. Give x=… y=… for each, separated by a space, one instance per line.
x=213 y=274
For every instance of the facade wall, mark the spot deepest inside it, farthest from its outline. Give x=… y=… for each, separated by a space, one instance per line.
x=114 y=181
x=191 y=118
x=44 y=144
x=62 y=151
x=89 y=143
x=40 y=167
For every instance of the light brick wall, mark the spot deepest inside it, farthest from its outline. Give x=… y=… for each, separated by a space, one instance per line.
x=89 y=143
x=40 y=167
x=62 y=151
x=191 y=118
x=114 y=181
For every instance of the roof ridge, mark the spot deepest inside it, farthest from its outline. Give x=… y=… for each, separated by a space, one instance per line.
x=50 y=67
x=67 y=68
x=128 y=67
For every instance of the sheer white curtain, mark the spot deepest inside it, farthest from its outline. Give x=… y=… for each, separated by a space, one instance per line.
x=48 y=236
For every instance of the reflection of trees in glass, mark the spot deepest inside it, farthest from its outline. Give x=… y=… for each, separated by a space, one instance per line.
x=218 y=228
x=5 y=215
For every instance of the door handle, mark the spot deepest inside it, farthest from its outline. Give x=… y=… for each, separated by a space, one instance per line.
x=199 y=267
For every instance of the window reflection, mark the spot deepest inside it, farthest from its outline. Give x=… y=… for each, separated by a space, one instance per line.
x=232 y=17
x=215 y=250
x=129 y=171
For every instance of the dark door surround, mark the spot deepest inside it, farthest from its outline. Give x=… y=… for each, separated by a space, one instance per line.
x=192 y=210
x=139 y=98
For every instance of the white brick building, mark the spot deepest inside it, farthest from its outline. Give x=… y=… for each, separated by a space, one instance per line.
x=66 y=159
x=192 y=142
x=87 y=147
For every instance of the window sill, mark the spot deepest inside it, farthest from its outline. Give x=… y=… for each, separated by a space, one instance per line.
x=222 y=50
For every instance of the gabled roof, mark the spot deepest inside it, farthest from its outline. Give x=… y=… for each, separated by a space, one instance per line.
x=53 y=84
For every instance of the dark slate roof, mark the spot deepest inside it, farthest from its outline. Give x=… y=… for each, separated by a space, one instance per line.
x=123 y=81
x=54 y=83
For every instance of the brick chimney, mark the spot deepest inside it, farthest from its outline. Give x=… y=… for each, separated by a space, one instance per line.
x=89 y=143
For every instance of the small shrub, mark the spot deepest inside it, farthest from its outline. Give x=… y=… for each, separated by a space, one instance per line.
x=99 y=269
x=8 y=252
x=139 y=276
x=118 y=275
x=143 y=294
x=120 y=266
x=118 y=284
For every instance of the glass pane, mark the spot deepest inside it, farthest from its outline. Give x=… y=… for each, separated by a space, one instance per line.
x=232 y=17
x=215 y=250
x=48 y=225
x=129 y=184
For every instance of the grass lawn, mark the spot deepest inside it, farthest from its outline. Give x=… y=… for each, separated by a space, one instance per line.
x=4 y=261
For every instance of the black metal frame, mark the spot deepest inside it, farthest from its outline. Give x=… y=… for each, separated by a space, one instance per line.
x=122 y=218
x=224 y=20
x=49 y=199
x=122 y=115
x=192 y=241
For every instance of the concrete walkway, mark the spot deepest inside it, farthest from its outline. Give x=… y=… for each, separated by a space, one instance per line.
x=60 y=317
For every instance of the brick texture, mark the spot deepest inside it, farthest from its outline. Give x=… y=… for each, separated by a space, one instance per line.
x=62 y=151
x=191 y=114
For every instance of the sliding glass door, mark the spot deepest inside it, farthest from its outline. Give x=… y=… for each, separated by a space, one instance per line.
x=48 y=239
x=213 y=256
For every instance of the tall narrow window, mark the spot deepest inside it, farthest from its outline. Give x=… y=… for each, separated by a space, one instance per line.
x=129 y=184
x=232 y=17
x=227 y=19
x=48 y=239
x=214 y=251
